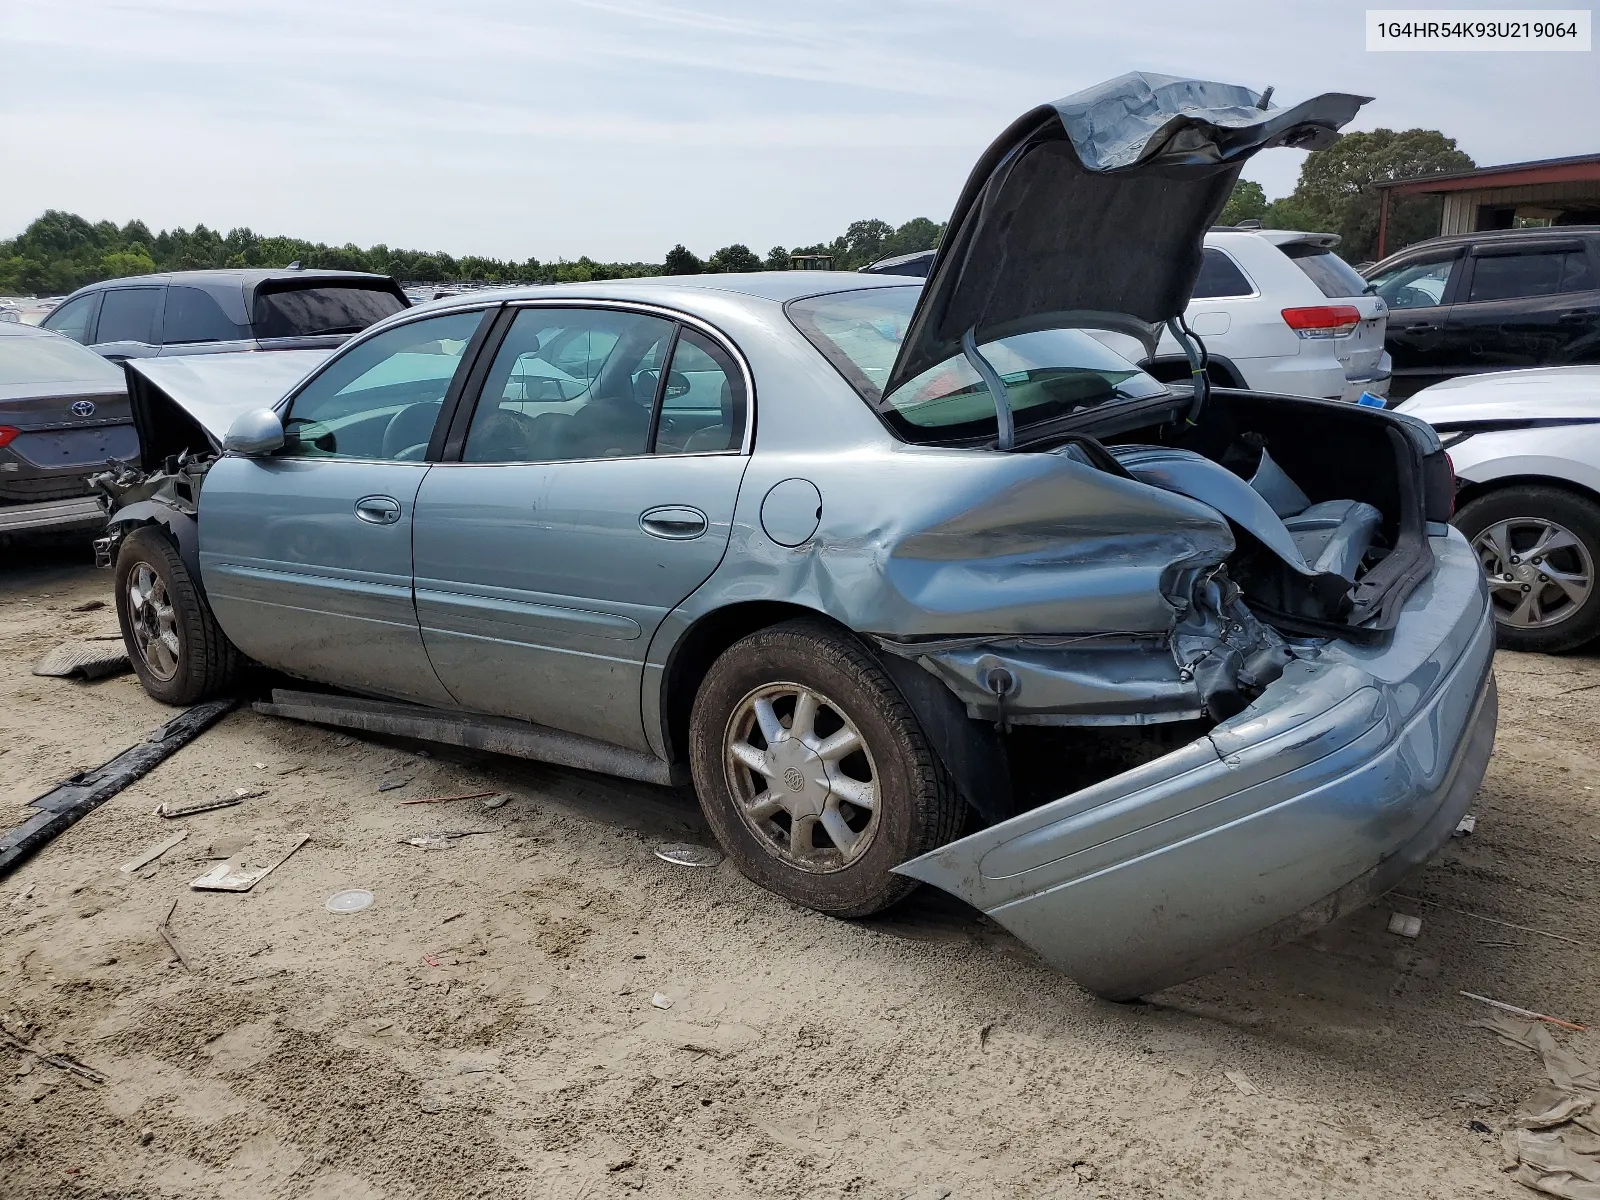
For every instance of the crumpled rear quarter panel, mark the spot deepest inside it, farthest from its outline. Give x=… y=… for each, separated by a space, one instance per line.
x=1349 y=765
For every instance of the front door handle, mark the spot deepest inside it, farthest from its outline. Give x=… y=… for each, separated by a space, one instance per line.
x=378 y=510
x=675 y=522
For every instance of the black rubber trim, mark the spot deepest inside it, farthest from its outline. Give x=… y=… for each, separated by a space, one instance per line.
x=450 y=430
x=75 y=798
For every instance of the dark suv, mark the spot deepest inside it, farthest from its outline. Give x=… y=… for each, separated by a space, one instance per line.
x=1491 y=302
x=205 y=312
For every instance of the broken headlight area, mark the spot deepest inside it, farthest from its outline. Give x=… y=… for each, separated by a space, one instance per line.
x=169 y=493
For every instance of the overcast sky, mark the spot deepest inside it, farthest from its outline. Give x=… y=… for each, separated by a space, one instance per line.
x=615 y=128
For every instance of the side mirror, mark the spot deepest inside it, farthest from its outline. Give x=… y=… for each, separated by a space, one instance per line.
x=254 y=433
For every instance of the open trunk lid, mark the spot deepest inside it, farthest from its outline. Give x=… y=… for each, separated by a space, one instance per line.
x=1090 y=212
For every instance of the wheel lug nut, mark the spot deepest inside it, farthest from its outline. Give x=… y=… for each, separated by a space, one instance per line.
x=1515 y=560
x=1527 y=587
x=1544 y=578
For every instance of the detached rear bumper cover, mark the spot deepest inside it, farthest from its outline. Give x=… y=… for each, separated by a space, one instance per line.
x=1346 y=773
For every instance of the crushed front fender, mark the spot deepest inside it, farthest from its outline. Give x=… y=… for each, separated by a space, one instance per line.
x=1348 y=771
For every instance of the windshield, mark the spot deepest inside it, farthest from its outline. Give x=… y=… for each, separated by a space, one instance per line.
x=326 y=308
x=1049 y=374
x=51 y=358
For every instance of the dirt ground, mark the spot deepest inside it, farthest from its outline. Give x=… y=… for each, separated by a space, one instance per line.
x=487 y=1028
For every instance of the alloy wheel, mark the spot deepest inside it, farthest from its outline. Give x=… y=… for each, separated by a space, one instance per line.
x=1539 y=573
x=802 y=777
x=154 y=624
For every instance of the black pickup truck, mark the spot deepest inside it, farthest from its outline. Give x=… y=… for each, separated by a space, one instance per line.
x=1478 y=302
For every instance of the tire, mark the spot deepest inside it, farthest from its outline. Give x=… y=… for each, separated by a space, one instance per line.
x=842 y=866
x=1549 y=610
x=176 y=647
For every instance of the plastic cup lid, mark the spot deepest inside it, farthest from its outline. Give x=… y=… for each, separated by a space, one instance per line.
x=351 y=901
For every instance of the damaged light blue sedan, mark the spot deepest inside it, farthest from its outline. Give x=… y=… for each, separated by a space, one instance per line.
x=912 y=581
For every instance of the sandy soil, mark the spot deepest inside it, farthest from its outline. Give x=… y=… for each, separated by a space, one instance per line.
x=487 y=1027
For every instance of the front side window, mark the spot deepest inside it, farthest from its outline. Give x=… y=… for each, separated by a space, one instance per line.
x=321 y=309
x=195 y=316
x=1049 y=374
x=1220 y=276
x=128 y=315
x=382 y=398
x=570 y=383
x=72 y=318
x=1415 y=284
x=1515 y=276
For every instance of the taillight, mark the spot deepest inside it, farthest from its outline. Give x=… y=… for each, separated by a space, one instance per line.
x=8 y=434
x=1323 y=320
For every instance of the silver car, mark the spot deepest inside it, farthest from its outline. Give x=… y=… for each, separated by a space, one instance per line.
x=913 y=582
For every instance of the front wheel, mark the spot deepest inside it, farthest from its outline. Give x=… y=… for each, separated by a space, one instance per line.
x=176 y=647
x=813 y=771
x=1538 y=546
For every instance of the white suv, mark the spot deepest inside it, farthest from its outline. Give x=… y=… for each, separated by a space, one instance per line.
x=1279 y=311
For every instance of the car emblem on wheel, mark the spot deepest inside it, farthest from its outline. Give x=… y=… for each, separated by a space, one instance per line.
x=83 y=408
x=794 y=779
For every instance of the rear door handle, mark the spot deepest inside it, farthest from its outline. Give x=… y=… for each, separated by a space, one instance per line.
x=378 y=510
x=1578 y=316
x=1419 y=327
x=675 y=522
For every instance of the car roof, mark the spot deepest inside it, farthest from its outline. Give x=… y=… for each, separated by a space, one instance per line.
x=1532 y=233
x=772 y=287
x=239 y=277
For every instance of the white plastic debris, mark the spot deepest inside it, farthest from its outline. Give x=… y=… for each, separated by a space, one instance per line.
x=1466 y=825
x=685 y=854
x=349 y=901
x=1242 y=1081
x=660 y=1001
x=1406 y=927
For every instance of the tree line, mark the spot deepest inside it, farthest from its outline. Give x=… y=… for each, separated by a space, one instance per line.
x=61 y=251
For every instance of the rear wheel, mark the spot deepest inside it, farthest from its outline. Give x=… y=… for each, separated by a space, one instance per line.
x=1539 y=547
x=813 y=772
x=177 y=649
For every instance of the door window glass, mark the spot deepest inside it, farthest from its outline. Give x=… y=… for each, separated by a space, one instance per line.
x=128 y=315
x=381 y=399
x=570 y=383
x=1513 y=276
x=703 y=406
x=1415 y=284
x=1220 y=276
x=72 y=318
x=195 y=316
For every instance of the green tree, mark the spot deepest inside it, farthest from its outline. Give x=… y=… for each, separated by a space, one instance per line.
x=777 y=259
x=737 y=257
x=1335 y=192
x=135 y=260
x=1247 y=203
x=680 y=261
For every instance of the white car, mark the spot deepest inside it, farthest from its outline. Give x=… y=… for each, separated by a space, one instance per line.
x=1526 y=450
x=1279 y=311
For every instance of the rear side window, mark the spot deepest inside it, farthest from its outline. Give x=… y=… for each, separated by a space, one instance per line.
x=702 y=406
x=323 y=308
x=195 y=316
x=128 y=315
x=1332 y=275
x=1416 y=284
x=1220 y=276
x=72 y=318
x=1544 y=273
